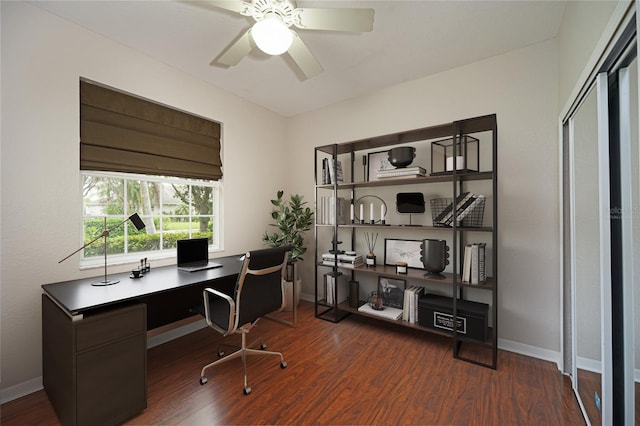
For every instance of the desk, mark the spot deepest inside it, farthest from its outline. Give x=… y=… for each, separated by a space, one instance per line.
x=94 y=342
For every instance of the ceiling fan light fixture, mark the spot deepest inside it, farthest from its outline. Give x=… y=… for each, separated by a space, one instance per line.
x=271 y=35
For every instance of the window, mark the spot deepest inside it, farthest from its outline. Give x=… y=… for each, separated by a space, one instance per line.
x=171 y=208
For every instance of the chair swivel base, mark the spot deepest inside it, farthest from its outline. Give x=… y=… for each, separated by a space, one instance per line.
x=242 y=352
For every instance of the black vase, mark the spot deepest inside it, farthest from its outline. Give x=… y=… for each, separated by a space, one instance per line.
x=435 y=257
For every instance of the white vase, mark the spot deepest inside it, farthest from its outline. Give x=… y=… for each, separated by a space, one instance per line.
x=288 y=294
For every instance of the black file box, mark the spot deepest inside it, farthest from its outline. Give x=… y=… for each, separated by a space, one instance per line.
x=435 y=311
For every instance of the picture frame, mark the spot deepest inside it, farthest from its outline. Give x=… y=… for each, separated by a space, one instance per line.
x=392 y=291
x=377 y=161
x=396 y=250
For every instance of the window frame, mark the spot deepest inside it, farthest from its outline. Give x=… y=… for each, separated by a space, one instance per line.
x=134 y=257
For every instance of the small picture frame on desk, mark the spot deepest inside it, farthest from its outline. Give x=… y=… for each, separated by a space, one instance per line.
x=377 y=161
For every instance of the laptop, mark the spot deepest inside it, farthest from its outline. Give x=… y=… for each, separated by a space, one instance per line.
x=193 y=255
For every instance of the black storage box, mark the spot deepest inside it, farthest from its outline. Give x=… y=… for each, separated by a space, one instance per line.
x=435 y=311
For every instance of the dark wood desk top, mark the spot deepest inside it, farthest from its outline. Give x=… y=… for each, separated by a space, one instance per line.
x=79 y=296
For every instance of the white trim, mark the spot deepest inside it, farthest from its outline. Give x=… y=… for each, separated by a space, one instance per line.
x=21 y=389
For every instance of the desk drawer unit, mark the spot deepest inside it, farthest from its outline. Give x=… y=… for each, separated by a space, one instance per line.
x=95 y=369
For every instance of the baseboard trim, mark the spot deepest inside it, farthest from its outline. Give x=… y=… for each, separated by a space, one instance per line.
x=21 y=389
x=532 y=351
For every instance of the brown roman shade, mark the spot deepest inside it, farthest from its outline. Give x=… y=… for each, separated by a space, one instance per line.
x=123 y=133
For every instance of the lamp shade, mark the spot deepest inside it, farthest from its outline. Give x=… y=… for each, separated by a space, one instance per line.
x=271 y=35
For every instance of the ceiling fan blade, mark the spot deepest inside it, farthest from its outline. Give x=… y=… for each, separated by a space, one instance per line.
x=237 y=50
x=354 y=20
x=237 y=6
x=303 y=57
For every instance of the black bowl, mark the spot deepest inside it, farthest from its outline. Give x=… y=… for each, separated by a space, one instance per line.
x=401 y=156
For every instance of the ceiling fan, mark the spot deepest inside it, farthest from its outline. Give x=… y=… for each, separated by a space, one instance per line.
x=272 y=31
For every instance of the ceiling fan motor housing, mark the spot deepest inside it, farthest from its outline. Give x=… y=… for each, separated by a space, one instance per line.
x=284 y=9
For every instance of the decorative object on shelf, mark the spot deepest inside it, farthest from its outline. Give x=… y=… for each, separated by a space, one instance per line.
x=401 y=267
x=410 y=202
x=402 y=251
x=401 y=156
x=371 y=240
x=460 y=153
x=375 y=300
x=392 y=291
x=469 y=211
x=135 y=220
x=354 y=294
x=376 y=162
x=434 y=255
x=373 y=208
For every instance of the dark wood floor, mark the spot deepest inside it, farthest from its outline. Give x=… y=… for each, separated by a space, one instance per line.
x=356 y=372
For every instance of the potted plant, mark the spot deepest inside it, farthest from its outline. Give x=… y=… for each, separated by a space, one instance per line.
x=292 y=219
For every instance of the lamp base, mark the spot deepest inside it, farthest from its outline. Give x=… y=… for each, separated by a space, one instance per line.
x=105 y=282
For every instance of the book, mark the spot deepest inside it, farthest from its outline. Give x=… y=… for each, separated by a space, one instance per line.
x=325 y=171
x=477 y=200
x=460 y=207
x=448 y=210
x=408 y=171
x=474 y=264
x=327 y=211
x=387 y=312
x=335 y=171
x=410 y=303
x=482 y=271
x=466 y=264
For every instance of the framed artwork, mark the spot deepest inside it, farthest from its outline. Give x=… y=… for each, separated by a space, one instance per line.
x=392 y=291
x=377 y=161
x=403 y=251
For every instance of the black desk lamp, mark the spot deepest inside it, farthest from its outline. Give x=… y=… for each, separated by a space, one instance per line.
x=137 y=222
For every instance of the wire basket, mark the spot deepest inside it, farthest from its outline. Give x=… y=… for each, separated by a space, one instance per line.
x=472 y=220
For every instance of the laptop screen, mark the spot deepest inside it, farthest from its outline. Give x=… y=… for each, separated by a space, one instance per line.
x=194 y=250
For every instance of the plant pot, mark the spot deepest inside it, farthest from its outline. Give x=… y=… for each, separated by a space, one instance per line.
x=288 y=294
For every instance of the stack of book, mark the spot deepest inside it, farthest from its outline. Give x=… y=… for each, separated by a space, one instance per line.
x=473 y=265
x=403 y=172
x=410 y=303
x=464 y=204
x=342 y=260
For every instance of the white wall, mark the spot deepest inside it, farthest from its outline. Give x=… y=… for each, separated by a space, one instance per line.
x=521 y=88
x=581 y=28
x=43 y=58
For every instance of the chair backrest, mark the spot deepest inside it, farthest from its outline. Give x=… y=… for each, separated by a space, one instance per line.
x=259 y=289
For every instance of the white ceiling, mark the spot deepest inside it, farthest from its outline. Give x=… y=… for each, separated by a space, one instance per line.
x=410 y=39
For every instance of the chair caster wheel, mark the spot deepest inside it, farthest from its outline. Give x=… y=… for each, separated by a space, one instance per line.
x=247 y=390
x=283 y=364
x=203 y=380
x=263 y=346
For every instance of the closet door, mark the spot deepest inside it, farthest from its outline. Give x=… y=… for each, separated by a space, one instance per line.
x=625 y=215
x=590 y=266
